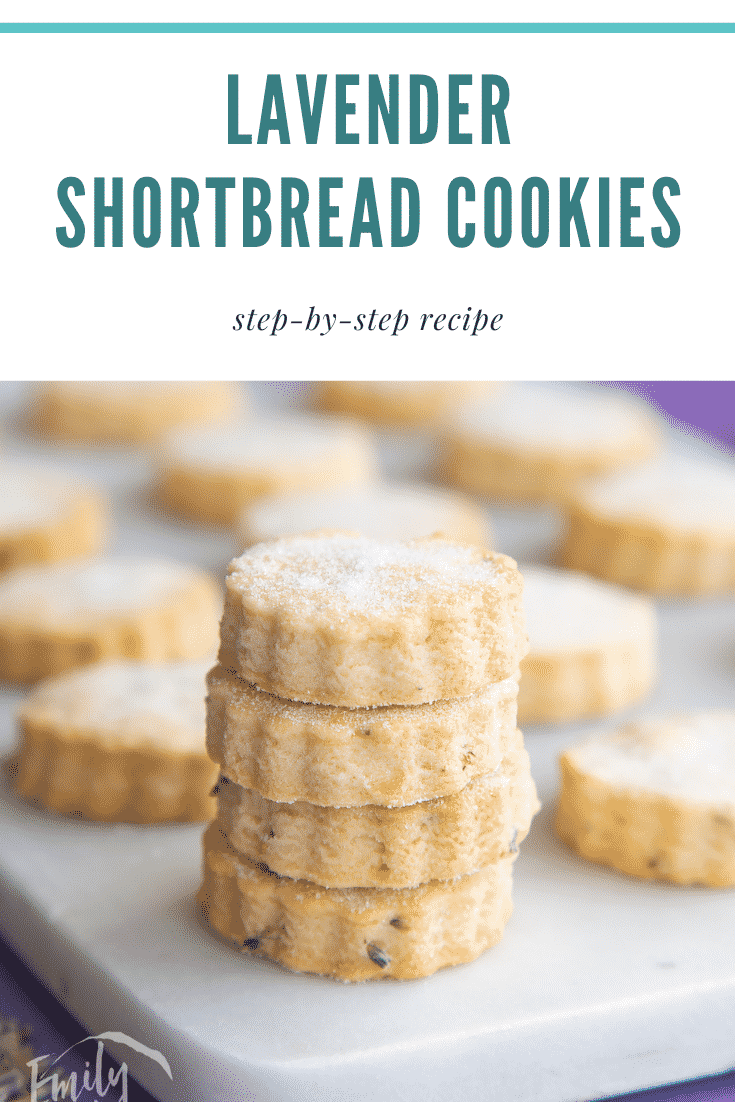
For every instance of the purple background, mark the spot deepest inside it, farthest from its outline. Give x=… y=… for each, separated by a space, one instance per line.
x=709 y=408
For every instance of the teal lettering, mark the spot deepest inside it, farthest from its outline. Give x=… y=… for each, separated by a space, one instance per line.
x=70 y=240
x=234 y=137
x=417 y=136
x=311 y=113
x=365 y=205
x=343 y=108
x=146 y=183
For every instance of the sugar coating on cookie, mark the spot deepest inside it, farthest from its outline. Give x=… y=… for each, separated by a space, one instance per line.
x=400 y=511
x=398 y=402
x=665 y=527
x=341 y=619
x=72 y=614
x=92 y=588
x=541 y=418
x=592 y=647
x=30 y=498
x=686 y=493
x=125 y=412
x=346 y=757
x=352 y=933
x=45 y=517
x=119 y=742
x=396 y=847
x=127 y=704
x=655 y=799
x=212 y=474
x=535 y=442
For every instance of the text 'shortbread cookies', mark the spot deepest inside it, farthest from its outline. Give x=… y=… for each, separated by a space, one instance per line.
x=397 y=847
x=352 y=933
x=667 y=527
x=398 y=403
x=655 y=799
x=212 y=474
x=534 y=443
x=400 y=511
x=46 y=517
x=66 y=615
x=127 y=412
x=593 y=647
x=345 y=757
x=119 y=742
x=341 y=619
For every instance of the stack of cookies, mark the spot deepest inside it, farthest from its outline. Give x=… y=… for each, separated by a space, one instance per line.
x=374 y=787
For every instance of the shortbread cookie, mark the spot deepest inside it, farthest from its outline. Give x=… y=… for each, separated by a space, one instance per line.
x=59 y=617
x=398 y=403
x=343 y=757
x=535 y=442
x=45 y=517
x=119 y=742
x=667 y=527
x=385 y=512
x=396 y=847
x=341 y=619
x=593 y=647
x=655 y=799
x=129 y=413
x=353 y=933
x=212 y=474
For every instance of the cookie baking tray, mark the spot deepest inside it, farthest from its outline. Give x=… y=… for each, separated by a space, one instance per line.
x=600 y=985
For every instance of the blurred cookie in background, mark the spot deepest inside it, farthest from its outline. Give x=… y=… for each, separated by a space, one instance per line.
x=532 y=443
x=398 y=403
x=655 y=799
x=119 y=742
x=210 y=475
x=667 y=527
x=45 y=517
x=593 y=647
x=58 y=617
x=390 y=511
x=129 y=412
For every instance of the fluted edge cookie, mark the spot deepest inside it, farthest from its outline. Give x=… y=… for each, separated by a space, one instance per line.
x=118 y=742
x=352 y=934
x=593 y=647
x=397 y=847
x=655 y=800
x=397 y=403
x=344 y=620
x=129 y=413
x=46 y=518
x=536 y=443
x=66 y=615
x=342 y=757
x=210 y=475
x=667 y=528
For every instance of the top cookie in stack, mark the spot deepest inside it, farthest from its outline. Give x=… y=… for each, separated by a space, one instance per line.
x=378 y=656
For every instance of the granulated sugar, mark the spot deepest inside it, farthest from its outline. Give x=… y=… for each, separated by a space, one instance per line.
x=130 y=702
x=689 y=757
x=249 y=443
x=537 y=417
x=31 y=498
x=565 y=610
x=360 y=574
x=687 y=492
x=94 y=587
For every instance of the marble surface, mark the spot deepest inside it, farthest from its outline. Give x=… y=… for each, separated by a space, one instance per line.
x=601 y=985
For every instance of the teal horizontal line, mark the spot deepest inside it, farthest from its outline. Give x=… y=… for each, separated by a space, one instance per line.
x=367 y=28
